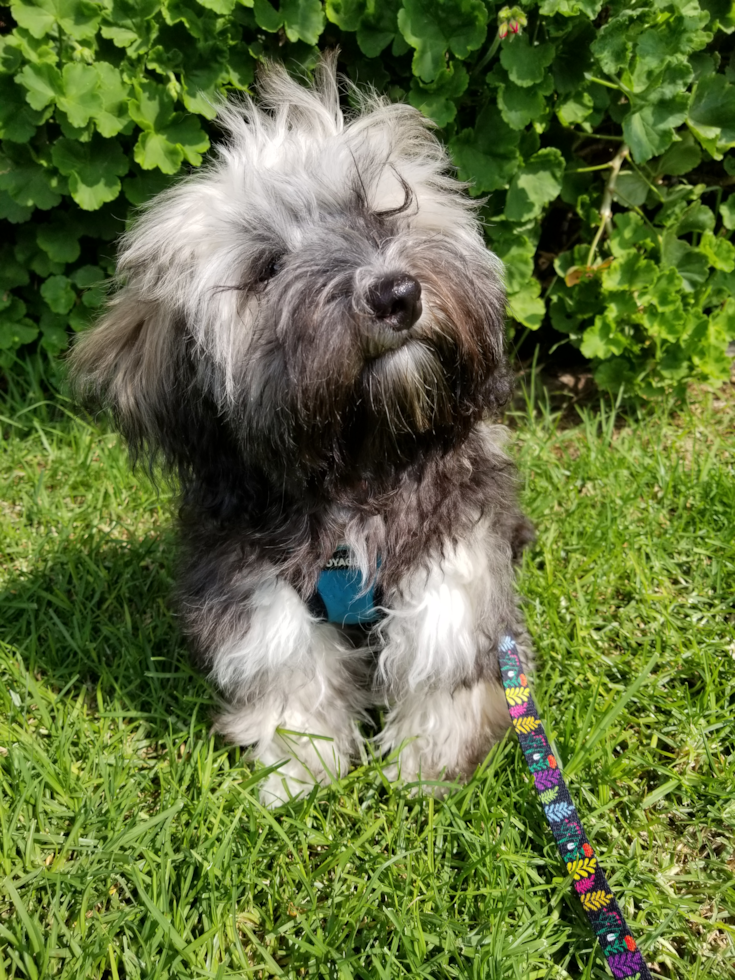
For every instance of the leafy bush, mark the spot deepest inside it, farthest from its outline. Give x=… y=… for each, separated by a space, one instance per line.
x=600 y=136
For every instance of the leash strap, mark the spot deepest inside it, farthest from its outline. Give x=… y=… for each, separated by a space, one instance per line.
x=607 y=921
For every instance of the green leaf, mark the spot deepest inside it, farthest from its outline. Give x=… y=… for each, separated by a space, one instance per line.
x=690 y=263
x=575 y=109
x=221 y=7
x=80 y=98
x=697 y=217
x=670 y=327
x=459 y=26
x=15 y=213
x=43 y=84
x=560 y=319
x=93 y=169
x=526 y=64
x=613 y=46
x=92 y=280
x=54 y=334
x=517 y=254
x=111 y=115
x=87 y=276
x=267 y=17
x=521 y=106
x=60 y=240
x=77 y=18
x=58 y=293
x=631 y=188
x=303 y=20
x=152 y=106
x=144 y=185
x=526 y=306
x=177 y=138
x=723 y=321
x=28 y=183
x=487 y=155
x=712 y=114
x=186 y=133
x=612 y=374
x=727 y=212
x=15 y=329
x=571 y=8
x=536 y=185
x=649 y=130
x=719 y=251
x=131 y=23
x=629 y=230
x=720 y=288
x=681 y=158
x=378 y=26
x=603 y=339
x=708 y=339
x=200 y=88
x=18 y=121
x=241 y=67
x=722 y=13
x=437 y=100
x=345 y=14
x=198 y=22
x=12 y=272
x=31 y=49
x=629 y=271
x=10 y=55
x=664 y=292
x=154 y=150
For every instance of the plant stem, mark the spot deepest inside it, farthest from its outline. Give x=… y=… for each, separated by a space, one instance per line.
x=490 y=53
x=606 y=207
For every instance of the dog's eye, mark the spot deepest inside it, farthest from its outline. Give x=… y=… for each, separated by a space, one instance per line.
x=270 y=268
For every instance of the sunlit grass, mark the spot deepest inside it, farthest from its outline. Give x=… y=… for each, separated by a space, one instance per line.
x=133 y=844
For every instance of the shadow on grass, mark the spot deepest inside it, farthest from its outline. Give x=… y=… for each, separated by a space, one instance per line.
x=95 y=617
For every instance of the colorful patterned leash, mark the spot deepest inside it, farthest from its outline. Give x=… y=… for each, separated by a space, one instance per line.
x=607 y=921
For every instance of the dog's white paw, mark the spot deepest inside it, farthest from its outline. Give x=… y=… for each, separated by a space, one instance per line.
x=311 y=760
x=279 y=787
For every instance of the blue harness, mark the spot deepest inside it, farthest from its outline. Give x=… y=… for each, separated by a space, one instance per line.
x=340 y=595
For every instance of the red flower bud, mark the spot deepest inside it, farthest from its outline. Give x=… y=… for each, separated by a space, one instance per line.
x=514 y=26
x=503 y=31
x=630 y=943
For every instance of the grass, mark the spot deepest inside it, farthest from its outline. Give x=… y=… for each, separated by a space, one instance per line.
x=133 y=844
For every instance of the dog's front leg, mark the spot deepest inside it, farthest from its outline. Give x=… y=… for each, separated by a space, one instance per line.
x=439 y=662
x=443 y=733
x=293 y=693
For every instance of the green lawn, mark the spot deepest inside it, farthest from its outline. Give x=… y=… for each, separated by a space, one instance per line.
x=133 y=844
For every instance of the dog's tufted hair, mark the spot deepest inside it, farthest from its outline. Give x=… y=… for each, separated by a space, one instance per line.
x=247 y=349
x=202 y=353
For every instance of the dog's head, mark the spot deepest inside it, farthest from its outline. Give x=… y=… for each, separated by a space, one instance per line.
x=317 y=300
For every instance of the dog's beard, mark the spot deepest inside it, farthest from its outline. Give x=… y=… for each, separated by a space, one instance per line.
x=407 y=390
x=322 y=401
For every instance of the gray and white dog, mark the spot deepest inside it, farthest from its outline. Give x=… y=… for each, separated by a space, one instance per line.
x=308 y=333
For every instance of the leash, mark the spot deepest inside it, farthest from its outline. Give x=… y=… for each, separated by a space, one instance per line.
x=603 y=912
x=341 y=597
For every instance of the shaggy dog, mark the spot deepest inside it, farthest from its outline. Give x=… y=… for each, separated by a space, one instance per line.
x=308 y=333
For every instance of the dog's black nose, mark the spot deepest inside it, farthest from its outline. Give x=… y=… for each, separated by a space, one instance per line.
x=396 y=301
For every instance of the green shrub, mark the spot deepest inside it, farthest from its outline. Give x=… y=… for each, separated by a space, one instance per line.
x=600 y=136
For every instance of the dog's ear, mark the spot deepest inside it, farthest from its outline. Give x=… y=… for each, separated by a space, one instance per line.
x=128 y=363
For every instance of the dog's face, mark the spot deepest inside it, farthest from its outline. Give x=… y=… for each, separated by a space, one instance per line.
x=318 y=300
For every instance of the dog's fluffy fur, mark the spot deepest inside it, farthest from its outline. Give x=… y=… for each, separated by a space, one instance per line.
x=259 y=346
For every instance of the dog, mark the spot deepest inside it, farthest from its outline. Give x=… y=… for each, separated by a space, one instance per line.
x=308 y=335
